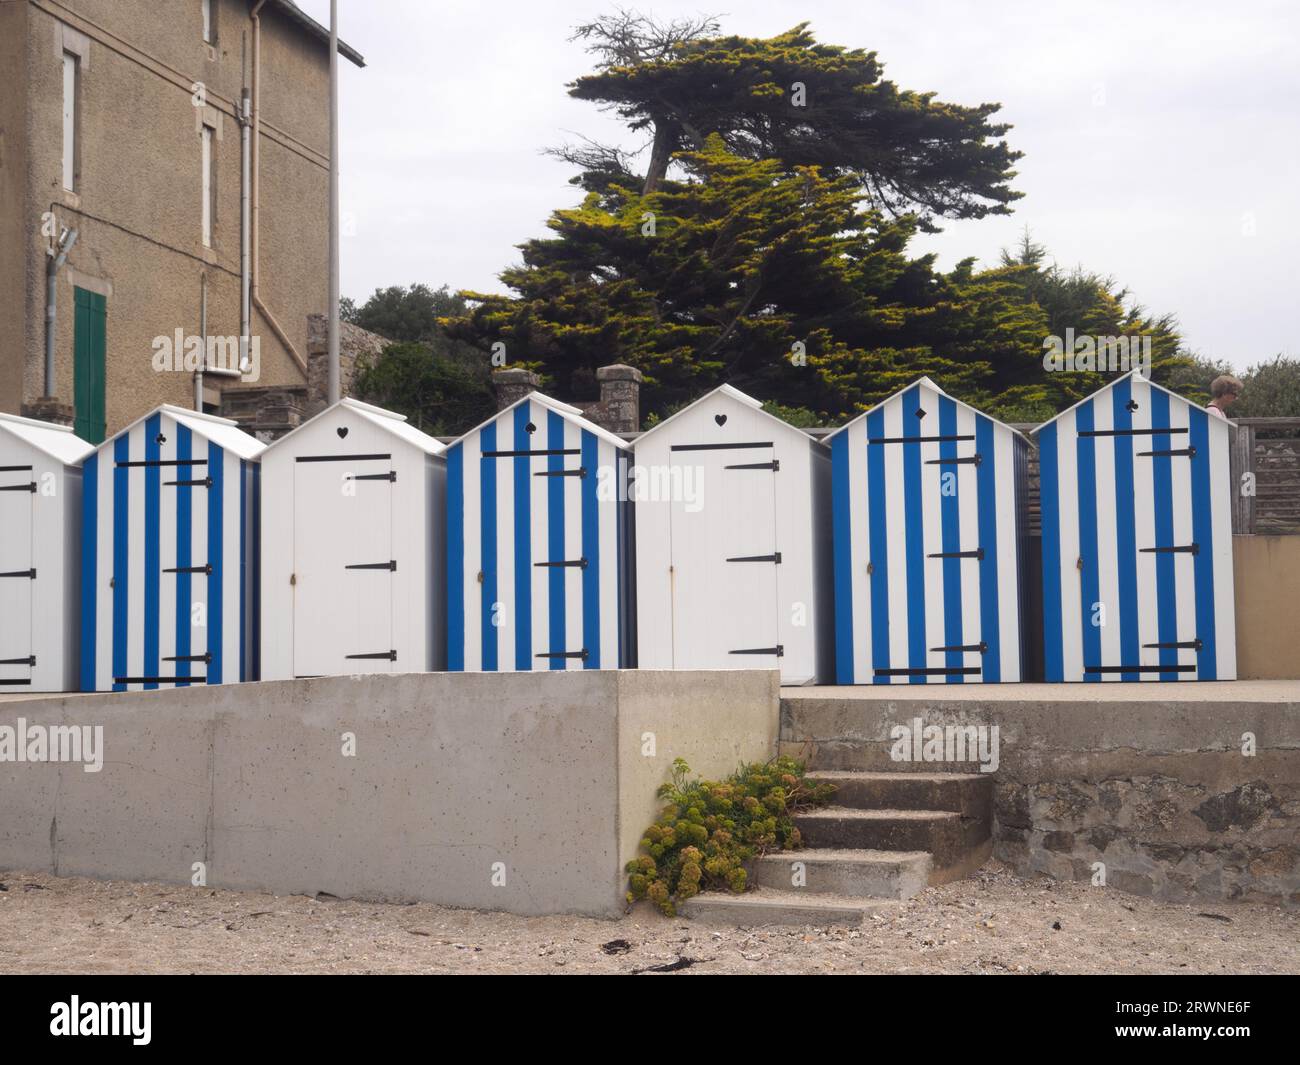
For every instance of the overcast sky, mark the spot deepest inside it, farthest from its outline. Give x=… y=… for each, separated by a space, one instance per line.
x=1161 y=139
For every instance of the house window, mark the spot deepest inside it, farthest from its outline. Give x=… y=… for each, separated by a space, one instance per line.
x=71 y=80
x=208 y=137
x=209 y=20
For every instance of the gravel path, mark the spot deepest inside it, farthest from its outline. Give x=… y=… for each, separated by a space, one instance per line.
x=990 y=923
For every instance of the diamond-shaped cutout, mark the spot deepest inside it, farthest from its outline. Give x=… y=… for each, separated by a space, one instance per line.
x=919 y=412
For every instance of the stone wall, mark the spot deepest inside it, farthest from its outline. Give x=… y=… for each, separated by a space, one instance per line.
x=270 y=411
x=353 y=342
x=1151 y=780
x=1175 y=821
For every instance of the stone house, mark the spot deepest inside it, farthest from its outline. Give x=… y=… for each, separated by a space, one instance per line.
x=132 y=124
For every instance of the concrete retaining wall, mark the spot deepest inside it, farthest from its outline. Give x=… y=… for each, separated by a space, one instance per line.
x=1149 y=780
x=1267 y=591
x=547 y=778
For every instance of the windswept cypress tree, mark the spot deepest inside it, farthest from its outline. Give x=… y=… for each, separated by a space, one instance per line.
x=774 y=253
x=793 y=99
x=746 y=272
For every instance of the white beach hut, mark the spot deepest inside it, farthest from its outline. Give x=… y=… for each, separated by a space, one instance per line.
x=351 y=547
x=733 y=542
x=40 y=554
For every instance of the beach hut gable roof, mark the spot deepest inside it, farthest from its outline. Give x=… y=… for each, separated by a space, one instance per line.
x=923 y=382
x=223 y=432
x=387 y=420
x=566 y=411
x=1132 y=373
x=59 y=442
x=738 y=396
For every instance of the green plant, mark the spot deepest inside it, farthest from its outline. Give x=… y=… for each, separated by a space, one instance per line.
x=799 y=417
x=439 y=394
x=709 y=829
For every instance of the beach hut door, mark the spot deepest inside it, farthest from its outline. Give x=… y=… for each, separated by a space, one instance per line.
x=17 y=574
x=725 y=558
x=344 y=567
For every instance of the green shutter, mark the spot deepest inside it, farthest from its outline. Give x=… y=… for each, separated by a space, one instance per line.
x=90 y=333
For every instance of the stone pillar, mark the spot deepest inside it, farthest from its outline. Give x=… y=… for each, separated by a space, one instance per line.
x=620 y=397
x=265 y=411
x=50 y=409
x=512 y=385
x=353 y=342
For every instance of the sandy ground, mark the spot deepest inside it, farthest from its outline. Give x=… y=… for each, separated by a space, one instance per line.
x=990 y=923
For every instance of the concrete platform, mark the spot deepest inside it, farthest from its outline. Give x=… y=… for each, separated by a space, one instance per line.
x=1279 y=691
x=1210 y=691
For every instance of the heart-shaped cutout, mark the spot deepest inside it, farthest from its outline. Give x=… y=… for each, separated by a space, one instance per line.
x=721 y=419
x=342 y=430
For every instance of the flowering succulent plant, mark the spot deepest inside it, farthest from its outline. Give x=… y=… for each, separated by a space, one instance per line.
x=709 y=830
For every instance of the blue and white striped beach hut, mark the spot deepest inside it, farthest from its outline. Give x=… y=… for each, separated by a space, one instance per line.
x=537 y=535
x=169 y=554
x=1137 y=538
x=927 y=500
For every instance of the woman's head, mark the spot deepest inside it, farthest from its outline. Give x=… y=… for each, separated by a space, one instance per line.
x=1224 y=390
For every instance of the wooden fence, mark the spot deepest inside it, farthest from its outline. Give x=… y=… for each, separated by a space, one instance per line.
x=1269 y=448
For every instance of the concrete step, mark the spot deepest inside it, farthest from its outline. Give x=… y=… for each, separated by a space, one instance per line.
x=887 y=830
x=871 y=756
x=764 y=906
x=850 y=873
x=950 y=838
x=969 y=794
